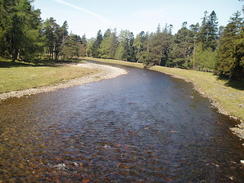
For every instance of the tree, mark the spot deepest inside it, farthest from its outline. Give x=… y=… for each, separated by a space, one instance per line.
x=61 y=34
x=84 y=40
x=125 y=49
x=6 y=9
x=230 y=58
x=108 y=45
x=114 y=44
x=73 y=47
x=212 y=31
x=89 y=48
x=205 y=43
x=55 y=37
x=140 y=46
x=159 y=46
x=208 y=33
x=96 y=44
x=131 y=49
x=20 y=36
x=182 y=47
x=205 y=59
x=83 y=46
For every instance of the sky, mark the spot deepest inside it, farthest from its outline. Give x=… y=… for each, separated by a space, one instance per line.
x=88 y=16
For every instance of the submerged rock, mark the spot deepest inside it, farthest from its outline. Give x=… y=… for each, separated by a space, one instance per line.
x=60 y=166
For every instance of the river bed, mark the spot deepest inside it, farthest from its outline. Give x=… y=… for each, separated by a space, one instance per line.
x=140 y=127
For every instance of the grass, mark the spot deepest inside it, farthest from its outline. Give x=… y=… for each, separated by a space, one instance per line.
x=112 y=61
x=227 y=97
x=19 y=76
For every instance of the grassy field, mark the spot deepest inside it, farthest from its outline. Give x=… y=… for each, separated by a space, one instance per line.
x=227 y=97
x=19 y=76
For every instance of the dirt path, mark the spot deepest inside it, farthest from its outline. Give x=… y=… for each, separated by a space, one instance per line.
x=105 y=72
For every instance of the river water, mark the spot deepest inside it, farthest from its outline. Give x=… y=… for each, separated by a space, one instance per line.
x=140 y=127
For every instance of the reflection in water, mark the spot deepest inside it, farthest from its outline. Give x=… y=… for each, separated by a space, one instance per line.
x=142 y=127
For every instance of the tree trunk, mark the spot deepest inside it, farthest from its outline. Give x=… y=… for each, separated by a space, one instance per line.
x=14 y=55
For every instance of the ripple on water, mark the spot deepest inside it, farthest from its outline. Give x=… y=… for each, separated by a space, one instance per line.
x=142 y=127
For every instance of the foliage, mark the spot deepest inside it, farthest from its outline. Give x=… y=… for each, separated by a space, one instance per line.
x=159 y=45
x=204 y=46
x=89 y=47
x=20 y=27
x=125 y=49
x=182 y=48
x=208 y=33
x=74 y=46
x=230 y=59
x=108 y=45
x=55 y=36
x=204 y=60
x=141 y=47
x=96 y=45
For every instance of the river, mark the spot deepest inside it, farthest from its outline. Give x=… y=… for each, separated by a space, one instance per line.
x=141 y=127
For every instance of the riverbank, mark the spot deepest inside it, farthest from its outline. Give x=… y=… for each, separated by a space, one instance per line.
x=228 y=100
x=29 y=79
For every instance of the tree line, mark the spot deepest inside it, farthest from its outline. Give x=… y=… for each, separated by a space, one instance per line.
x=25 y=36
x=204 y=46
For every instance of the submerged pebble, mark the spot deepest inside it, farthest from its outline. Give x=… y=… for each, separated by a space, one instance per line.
x=60 y=166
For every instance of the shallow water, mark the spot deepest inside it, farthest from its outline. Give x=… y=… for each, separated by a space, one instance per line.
x=140 y=127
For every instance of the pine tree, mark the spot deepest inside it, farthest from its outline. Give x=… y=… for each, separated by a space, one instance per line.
x=61 y=34
x=84 y=43
x=125 y=49
x=140 y=46
x=106 y=44
x=183 y=47
x=212 y=31
x=55 y=36
x=159 y=47
x=131 y=49
x=97 y=44
x=73 y=47
x=89 y=48
x=49 y=27
x=20 y=27
x=84 y=40
x=208 y=33
x=114 y=44
x=230 y=59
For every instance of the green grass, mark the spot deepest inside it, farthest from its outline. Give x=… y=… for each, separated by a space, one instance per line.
x=112 y=61
x=19 y=76
x=228 y=97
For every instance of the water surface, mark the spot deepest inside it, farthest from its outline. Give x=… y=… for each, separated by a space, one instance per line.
x=140 y=127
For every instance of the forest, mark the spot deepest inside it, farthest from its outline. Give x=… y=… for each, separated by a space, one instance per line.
x=203 y=46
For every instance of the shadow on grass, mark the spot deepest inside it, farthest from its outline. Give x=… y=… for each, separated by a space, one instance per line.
x=8 y=64
x=238 y=84
x=39 y=63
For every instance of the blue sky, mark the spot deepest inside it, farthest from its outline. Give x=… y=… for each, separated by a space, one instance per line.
x=88 y=16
